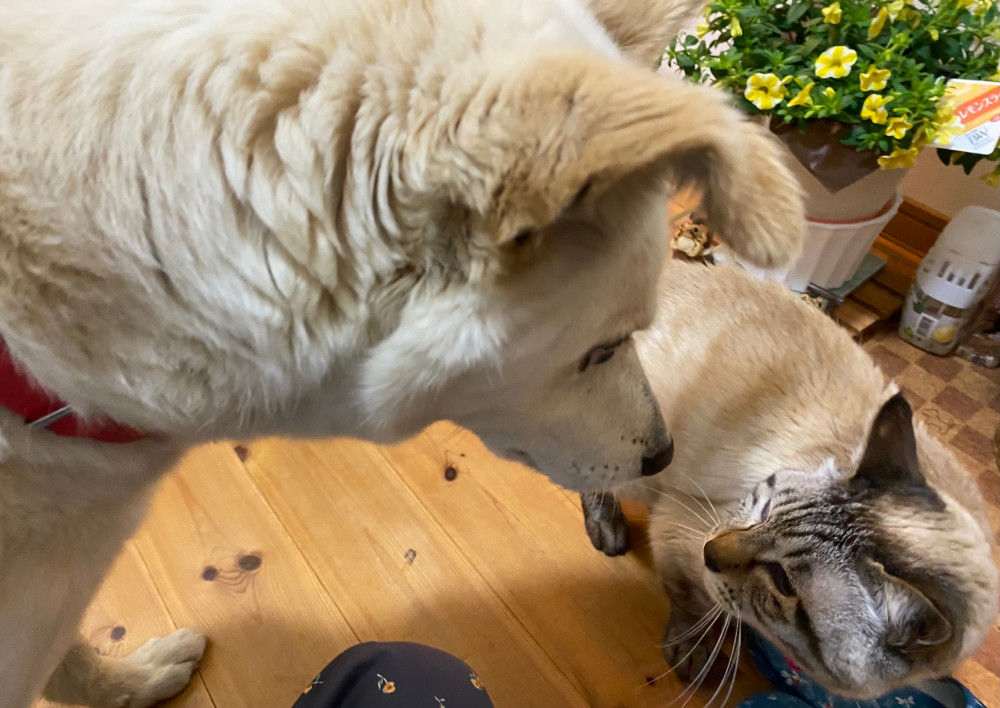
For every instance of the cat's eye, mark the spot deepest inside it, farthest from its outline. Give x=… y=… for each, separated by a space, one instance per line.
x=765 y=513
x=780 y=579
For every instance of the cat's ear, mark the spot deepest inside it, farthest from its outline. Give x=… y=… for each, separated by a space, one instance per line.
x=912 y=620
x=890 y=458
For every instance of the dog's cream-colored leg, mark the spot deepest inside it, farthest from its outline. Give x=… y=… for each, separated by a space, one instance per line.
x=66 y=507
x=157 y=670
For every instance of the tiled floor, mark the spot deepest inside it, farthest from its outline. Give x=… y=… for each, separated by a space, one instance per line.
x=958 y=401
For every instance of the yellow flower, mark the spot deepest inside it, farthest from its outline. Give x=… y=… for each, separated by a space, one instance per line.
x=829 y=92
x=947 y=129
x=966 y=3
x=802 y=98
x=836 y=62
x=875 y=79
x=945 y=109
x=934 y=33
x=895 y=7
x=993 y=178
x=832 y=15
x=766 y=90
x=913 y=17
x=735 y=28
x=897 y=127
x=899 y=159
x=874 y=108
x=875 y=29
x=701 y=29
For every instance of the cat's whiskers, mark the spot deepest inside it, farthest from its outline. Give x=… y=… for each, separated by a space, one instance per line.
x=606 y=487
x=700 y=678
x=736 y=665
x=731 y=667
x=710 y=617
x=704 y=495
x=710 y=513
x=671 y=497
x=693 y=533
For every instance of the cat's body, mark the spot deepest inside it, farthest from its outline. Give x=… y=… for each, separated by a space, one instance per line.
x=868 y=560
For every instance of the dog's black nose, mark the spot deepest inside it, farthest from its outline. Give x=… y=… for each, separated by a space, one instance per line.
x=654 y=464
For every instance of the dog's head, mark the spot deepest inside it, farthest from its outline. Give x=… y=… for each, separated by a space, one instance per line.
x=547 y=232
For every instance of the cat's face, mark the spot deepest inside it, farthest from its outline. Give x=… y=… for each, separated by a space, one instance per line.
x=870 y=581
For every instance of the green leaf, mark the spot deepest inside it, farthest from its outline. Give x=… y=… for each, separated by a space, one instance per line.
x=867 y=51
x=968 y=161
x=797 y=10
x=684 y=61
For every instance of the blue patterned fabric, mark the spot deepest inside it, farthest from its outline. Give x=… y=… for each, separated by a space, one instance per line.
x=796 y=690
x=395 y=675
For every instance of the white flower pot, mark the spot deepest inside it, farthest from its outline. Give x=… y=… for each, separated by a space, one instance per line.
x=832 y=250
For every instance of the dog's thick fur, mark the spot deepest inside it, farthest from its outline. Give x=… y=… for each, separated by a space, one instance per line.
x=230 y=218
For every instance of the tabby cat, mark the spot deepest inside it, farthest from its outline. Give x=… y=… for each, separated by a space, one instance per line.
x=803 y=499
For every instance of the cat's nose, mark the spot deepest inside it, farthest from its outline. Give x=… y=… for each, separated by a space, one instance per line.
x=657 y=462
x=729 y=551
x=711 y=557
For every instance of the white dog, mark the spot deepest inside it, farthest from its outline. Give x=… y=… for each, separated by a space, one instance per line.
x=231 y=218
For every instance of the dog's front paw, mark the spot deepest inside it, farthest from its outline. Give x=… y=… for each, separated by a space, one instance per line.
x=691 y=647
x=162 y=667
x=605 y=522
x=763 y=217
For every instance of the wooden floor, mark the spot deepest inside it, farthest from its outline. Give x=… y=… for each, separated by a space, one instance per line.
x=287 y=553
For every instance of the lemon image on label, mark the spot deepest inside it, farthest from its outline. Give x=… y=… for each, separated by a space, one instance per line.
x=945 y=334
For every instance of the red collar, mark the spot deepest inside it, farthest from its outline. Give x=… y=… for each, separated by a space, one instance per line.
x=22 y=395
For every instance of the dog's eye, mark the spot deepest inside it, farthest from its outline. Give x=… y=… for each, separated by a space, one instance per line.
x=522 y=237
x=598 y=355
x=780 y=579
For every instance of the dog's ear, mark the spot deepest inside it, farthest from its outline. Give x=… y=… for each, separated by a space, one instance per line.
x=644 y=28
x=537 y=132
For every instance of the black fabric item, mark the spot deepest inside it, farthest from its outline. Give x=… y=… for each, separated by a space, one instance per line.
x=395 y=675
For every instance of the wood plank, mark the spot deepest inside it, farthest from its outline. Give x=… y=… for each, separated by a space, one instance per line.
x=915 y=226
x=224 y=565
x=855 y=317
x=126 y=612
x=923 y=213
x=526 y=537
x=892 y=252
x=393 y=572
x=893 y=279
x=912 y=233
x=877 y=299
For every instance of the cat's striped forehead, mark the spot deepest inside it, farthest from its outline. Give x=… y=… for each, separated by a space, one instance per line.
x=848 y=517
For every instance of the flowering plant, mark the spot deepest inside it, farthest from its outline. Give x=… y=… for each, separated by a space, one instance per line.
x=877 y=68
